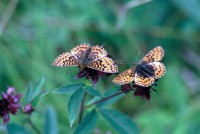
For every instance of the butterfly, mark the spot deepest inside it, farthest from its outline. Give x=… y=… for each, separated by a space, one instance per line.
x=146 y=71
x=84 y=55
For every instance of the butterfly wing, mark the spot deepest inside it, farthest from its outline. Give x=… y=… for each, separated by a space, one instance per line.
x=143 y=81
x=125 y=77
x=155 y=54
x=97 y=52
x=105 y=64
x=65 y=59
x=159 y=69
x=80 y=51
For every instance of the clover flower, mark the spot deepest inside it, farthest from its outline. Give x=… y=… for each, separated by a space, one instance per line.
x=91 y=74
x=144 y=92
x=28 y=109
x=9 y=104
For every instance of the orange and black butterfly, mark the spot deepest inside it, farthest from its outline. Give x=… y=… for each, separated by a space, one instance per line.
x=146 y=71
x=84 y=55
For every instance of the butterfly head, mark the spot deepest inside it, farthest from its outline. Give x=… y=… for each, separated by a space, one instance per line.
x=82 y=66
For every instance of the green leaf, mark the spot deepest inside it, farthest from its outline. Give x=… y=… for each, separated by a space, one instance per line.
x=68 y=88
x=88 y=123
x=50 y=121
x=29 y=93
x=120 y=122
x=94 y=99
x=74 y=105
x=92 y=91
x=112 y=100
x=34 y=90
x=38 y=98
x=37 y=87
x=13 y=128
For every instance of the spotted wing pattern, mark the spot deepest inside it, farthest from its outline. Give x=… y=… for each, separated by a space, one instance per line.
x=65 y=59
x=125 y=77
x=105 y=64
x=143 y=81
x=155 y=54
x=159 y=69
x=79 y=51
x=151 y=58
x=97 y=52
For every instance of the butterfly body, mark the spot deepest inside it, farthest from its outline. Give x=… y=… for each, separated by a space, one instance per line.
x=83 y=62
x=84 y=55
x=146 y=72
x=143 y=69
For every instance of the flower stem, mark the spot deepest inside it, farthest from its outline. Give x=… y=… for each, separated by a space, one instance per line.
x=33 y=126
x=82 y=108
x=104 y=99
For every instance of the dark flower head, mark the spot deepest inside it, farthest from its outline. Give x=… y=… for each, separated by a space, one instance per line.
x=9 y=103
x=91 y=74
x=126 y=88
x=144 y=92
x=28 y=109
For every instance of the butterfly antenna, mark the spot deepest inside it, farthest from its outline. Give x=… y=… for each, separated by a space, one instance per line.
x=125 y=63
x=122 y=62
x=138 y=55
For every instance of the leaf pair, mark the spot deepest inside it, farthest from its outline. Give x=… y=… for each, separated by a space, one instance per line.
x=120 y=122
x=34 y=92
x=77 y=91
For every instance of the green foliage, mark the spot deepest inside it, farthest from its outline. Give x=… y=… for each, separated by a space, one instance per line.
x=16 y=129
x=120 y=122
x=74 y=105
x=68 y=89
x=34 y=90
x=50 y=121
x=88 y=123
x=112 y=100
x=92 y=91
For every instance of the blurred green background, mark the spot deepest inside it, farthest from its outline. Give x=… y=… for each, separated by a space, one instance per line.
x=38 y=31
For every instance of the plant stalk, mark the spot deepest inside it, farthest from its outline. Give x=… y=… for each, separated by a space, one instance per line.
x=82 y=107
x=104 y=99
x=33 y=126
